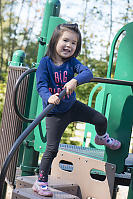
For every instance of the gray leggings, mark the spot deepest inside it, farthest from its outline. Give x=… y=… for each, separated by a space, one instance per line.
x=56 y=125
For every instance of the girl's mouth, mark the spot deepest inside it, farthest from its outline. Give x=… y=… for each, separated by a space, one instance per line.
x=67 y=50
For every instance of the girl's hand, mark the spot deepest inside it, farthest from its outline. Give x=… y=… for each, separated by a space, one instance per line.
x=54 y=99
x=70 y=86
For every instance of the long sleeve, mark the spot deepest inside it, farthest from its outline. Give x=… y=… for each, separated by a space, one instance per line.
x=84 y=73
x=42 y=81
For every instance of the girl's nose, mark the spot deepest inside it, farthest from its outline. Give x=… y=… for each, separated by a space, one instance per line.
x=68 y=44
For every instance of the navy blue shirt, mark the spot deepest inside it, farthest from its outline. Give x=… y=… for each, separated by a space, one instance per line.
x=52 y=78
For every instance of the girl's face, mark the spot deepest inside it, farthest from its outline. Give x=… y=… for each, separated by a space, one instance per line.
x=66 y=45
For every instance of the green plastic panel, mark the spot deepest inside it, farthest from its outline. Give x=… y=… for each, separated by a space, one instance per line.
x=116 y=101
x=40 y=131
x=89 y=128
x=120 y=119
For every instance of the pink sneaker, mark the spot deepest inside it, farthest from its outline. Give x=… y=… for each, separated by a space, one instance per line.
x=42 y=189
x=114 y=145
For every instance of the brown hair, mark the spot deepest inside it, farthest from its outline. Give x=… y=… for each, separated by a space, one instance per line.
x=51 y=51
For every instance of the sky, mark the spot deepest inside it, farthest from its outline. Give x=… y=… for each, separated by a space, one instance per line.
x=74 y=10
x=69 y=9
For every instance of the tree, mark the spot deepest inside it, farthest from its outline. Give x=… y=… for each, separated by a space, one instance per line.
x=17 y=30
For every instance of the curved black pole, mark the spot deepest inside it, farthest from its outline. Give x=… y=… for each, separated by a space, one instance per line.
x=21 y=138
x=15 y=91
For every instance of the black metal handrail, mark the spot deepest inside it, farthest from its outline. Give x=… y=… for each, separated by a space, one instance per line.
x=111 y=81
x=15 y=91
x=21 y=138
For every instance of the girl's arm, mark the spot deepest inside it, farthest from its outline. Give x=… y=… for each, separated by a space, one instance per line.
x=84 y=73
x=42 y=81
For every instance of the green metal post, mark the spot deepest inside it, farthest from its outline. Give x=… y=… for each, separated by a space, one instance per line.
x=17 y=58
x=52 y=8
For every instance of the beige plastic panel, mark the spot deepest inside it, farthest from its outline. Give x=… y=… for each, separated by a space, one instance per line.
x=81 y=175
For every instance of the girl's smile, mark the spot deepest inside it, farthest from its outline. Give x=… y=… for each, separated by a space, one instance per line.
x=66 y=45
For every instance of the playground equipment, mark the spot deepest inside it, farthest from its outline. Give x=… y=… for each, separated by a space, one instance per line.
x=77 y=172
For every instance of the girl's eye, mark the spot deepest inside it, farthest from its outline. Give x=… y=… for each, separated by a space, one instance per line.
x=74 y=43
x=65 y=40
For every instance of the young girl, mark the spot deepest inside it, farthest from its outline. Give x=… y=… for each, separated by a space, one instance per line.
x=56 y=72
